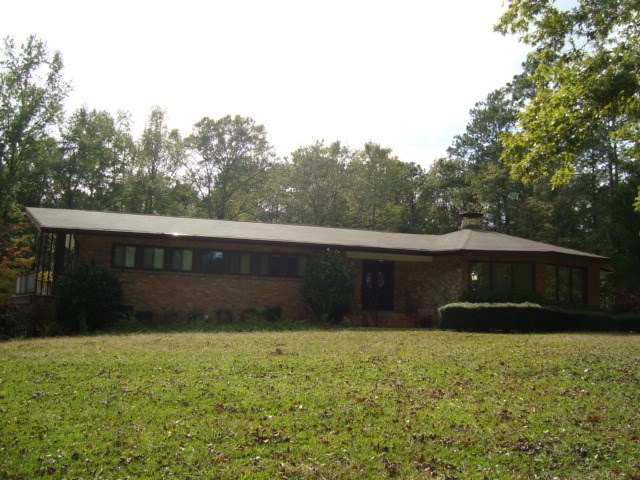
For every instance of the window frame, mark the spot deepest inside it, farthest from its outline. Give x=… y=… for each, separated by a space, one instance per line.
x=124 y=266
x=221 y=262
x=144 y=249
x=227 y=262
x=486 y=284
x=173 y=255
x=568 y=285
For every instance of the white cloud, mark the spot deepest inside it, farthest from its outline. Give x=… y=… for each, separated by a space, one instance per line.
x=402 y=73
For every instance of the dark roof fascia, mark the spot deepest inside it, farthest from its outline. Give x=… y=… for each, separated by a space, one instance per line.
x=36 y=224
x=238 y=241
x=442 y=253
x=527 y=254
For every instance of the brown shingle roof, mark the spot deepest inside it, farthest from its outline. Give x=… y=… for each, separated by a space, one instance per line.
x=81 y=221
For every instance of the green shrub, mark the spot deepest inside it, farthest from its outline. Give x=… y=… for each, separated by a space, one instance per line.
x=128 y=322
x=273 y=314
x=86 y=296
x=531 y=317
x=327 y=287
x=146 y=317
x=249 y=314
x=223 y=315
x=26 y=321
x=195 y=316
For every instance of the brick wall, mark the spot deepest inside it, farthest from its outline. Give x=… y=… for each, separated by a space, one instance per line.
x=417 y=285
x=169 y=293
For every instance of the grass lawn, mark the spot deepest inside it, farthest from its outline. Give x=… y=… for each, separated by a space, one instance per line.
x=321 y=404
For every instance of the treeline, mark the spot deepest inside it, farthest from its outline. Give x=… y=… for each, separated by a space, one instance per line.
x=578 y=191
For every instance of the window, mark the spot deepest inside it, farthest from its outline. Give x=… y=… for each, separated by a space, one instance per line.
x=504 y=280
x=182 y=259
x=212 y=261
x=153 y=258
x=239 y=263
x=209 y=261
x=522 y=284
x=270 y=264
x=124 y=256
x=295 y=265
x=565 y=284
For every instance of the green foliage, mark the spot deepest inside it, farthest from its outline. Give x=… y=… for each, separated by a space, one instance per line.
x=87 y=296
x=27 y=321
x=223 y=315
x=230 y=159
x=445 y=195
x=93 y=165
x=249 y=314
x=318 y=184
x=327 y=287
x=531 y=317
x=570 y=117
x=273 y=314
x=490 y=188
x=31 y=94
x=586 y=79
x=154 y=184
x=16 y=255
x=383 y=191
x=321 y=404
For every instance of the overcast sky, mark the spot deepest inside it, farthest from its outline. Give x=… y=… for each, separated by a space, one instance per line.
x=402 y=73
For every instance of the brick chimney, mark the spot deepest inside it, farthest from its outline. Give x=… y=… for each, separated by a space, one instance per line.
x=471 y=220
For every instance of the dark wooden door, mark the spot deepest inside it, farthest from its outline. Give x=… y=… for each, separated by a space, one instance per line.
x=377 y=285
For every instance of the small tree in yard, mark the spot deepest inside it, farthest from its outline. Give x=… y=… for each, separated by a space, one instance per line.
x=327 y=286
x=86 y=296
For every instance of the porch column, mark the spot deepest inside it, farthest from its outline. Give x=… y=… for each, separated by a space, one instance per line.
x=59 y=257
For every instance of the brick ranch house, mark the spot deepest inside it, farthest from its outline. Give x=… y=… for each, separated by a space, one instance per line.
x=177 y=266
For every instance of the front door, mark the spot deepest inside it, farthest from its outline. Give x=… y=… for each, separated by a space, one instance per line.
x=377 y=285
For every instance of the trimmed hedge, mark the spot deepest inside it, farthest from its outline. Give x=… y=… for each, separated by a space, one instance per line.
x=531 y=317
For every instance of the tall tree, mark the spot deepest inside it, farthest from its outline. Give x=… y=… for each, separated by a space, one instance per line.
x=276 y=198
x=228 y=164
x=587 y=78
x=32 y=92
x=154 y=186
x=480 y=146
x=384 y=190
x=445 y=195
x=581 y=126
x=318 y=185
x=95 y=149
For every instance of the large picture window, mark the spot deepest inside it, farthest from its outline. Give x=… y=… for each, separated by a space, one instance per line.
x=565 y=284
x=513 y=281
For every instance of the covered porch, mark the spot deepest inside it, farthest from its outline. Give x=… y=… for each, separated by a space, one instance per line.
x=53 y=253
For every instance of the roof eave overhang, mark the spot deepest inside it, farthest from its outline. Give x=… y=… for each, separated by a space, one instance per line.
x=239 y=241
x=320 y=245
x=530 y=253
